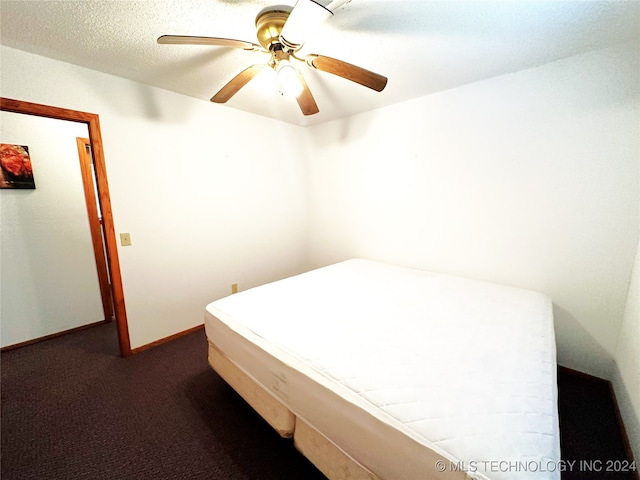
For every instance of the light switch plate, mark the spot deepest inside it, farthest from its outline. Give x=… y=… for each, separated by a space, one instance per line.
x=125 y=239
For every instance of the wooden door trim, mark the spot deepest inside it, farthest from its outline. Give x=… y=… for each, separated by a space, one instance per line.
x=93 y=122
x=94 y=225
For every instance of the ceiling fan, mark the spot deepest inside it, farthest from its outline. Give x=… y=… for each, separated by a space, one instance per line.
x=281 y=32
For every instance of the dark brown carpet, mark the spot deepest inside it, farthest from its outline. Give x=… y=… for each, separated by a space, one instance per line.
x=72 y=409
x=589 y=432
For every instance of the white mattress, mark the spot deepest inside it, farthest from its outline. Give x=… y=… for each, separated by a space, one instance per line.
x=401 y=367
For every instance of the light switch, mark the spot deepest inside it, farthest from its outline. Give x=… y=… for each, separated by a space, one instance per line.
x=125 y=239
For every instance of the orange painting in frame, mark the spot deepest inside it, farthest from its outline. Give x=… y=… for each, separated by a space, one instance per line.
x=16 y=170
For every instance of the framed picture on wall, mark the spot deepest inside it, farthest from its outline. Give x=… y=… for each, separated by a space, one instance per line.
x=15 y=167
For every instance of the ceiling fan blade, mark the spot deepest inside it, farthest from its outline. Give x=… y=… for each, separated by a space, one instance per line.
x=346 y=70
x=220 y=42
x=237 y=82
x=305 y=17
x=305 y=99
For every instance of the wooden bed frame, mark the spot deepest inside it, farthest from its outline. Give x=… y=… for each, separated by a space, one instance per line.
x=329 y=458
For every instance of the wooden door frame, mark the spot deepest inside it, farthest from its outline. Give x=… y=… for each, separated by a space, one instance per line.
x=95 y=225
x=93 y=123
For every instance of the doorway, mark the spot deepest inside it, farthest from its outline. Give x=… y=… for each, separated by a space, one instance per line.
x=101 y=187
x=96 y=224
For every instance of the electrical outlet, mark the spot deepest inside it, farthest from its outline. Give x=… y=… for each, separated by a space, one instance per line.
x=125 y=239
x=234 y=288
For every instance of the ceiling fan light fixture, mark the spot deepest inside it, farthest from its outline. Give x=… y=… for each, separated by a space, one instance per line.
x=288 y=81
x=305 y=17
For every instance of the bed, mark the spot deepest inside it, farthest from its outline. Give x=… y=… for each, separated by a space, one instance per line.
x=383 y=372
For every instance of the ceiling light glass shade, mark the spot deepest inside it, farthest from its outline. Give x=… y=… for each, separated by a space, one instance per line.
x=288 y=82
x=336 y=4
x=305 y=17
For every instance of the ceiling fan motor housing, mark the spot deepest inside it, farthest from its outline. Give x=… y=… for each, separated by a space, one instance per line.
x=269 y=23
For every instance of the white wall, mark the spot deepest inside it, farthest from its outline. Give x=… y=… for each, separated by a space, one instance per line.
x=48 y=277
x=210 y=195
x=626 y=377
x=528 y=179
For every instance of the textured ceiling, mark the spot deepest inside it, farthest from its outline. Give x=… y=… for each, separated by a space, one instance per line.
x=421 y=46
